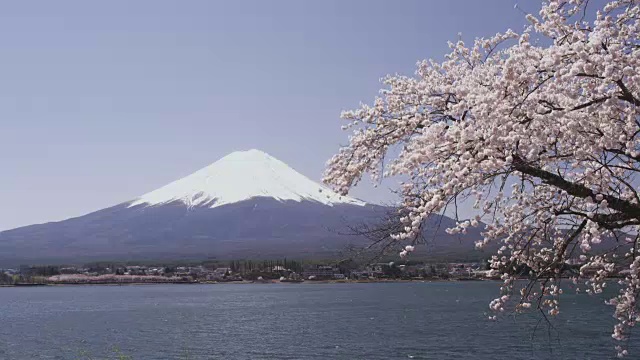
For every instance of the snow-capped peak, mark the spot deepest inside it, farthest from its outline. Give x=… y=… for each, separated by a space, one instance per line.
x=239 y=176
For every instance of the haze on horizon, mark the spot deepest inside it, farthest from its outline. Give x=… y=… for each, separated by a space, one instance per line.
x=103 y=102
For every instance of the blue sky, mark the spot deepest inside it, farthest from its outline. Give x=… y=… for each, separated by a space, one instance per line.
x=103 y=101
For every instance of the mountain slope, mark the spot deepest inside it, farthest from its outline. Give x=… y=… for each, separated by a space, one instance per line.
x=240 y=176
x=257 y=227
x=246 y=205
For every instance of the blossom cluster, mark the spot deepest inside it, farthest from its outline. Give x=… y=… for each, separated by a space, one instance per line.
x=544 y=139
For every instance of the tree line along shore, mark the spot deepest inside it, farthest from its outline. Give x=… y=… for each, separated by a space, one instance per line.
x=250 y=271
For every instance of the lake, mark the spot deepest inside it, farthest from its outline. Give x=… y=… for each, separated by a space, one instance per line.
x=431 y=320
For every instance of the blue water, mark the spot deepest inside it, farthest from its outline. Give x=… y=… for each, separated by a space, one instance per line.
x=443 y=320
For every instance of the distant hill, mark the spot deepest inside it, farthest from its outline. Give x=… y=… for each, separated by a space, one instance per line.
x=246 y=205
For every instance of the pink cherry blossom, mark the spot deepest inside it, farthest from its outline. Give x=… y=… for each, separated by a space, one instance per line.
x=540 y=135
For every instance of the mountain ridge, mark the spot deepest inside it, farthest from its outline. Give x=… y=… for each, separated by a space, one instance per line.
x=279 y=213
x=242 y=175
x=247 y=202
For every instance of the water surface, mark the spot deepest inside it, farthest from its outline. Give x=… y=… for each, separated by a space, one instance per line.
x=439 y=320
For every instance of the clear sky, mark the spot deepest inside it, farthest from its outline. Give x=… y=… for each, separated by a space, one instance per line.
x=103 y=101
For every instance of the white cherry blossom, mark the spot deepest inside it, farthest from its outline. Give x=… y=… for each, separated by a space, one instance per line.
x=540 y=131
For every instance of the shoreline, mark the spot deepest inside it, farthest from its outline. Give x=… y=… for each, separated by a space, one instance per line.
x=274 y=281
x=250 y=282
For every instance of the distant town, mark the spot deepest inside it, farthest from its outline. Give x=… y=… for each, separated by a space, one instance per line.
x=240 y=271
x=251 y=271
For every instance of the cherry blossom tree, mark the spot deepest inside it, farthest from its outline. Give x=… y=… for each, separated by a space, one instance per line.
x=540 y=131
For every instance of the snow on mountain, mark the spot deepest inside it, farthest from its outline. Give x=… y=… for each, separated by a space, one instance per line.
x=271 y=211
x=240 y=176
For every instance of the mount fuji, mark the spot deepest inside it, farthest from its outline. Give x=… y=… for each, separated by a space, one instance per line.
x=240 y=176
x=247 y=204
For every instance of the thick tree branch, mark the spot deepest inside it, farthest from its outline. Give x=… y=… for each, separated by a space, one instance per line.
x=630 y=209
